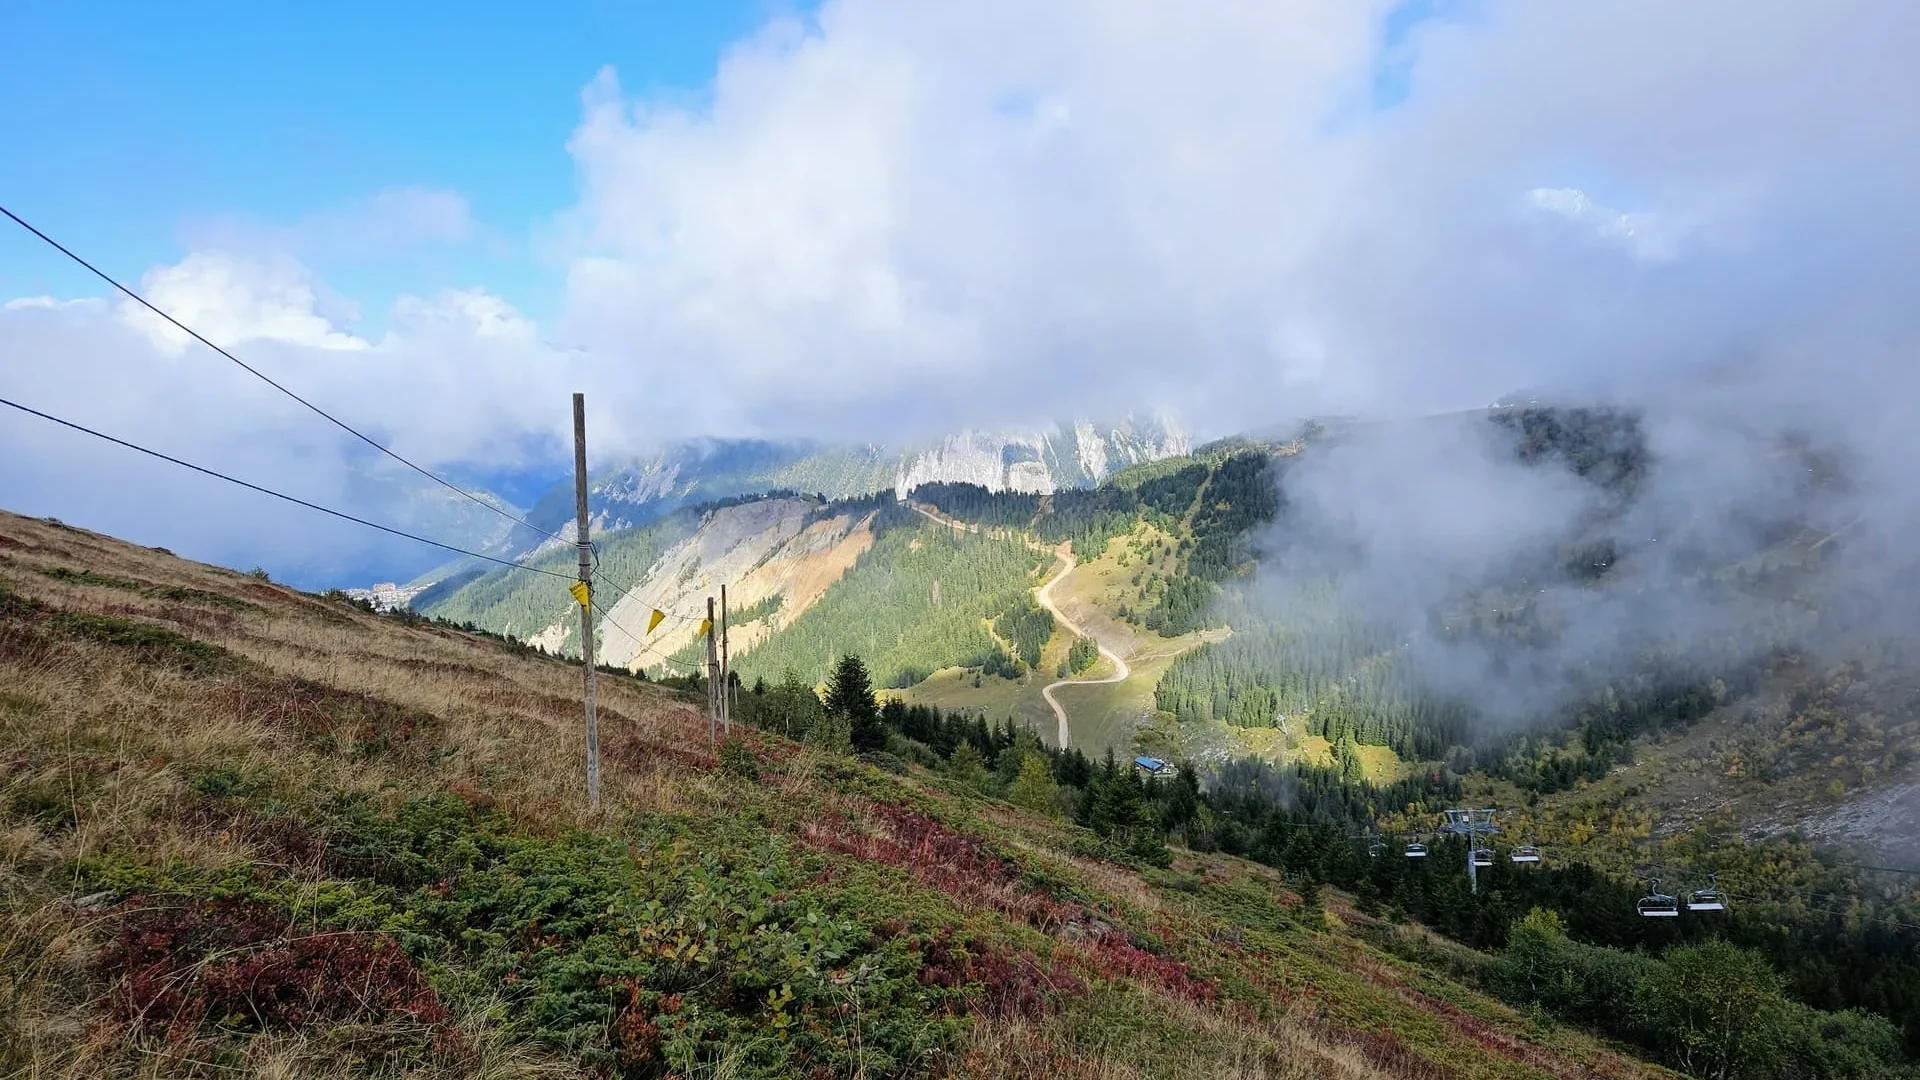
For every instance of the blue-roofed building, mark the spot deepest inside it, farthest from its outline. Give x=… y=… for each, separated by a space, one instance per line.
x=1153 y=766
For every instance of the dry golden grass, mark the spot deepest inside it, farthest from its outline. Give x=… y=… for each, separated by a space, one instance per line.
x=119 y=742
x=1130 y=1044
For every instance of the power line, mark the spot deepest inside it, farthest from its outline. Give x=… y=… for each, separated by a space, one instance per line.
x=665 y=658
x=258 y=374
x=276 y=494
x=628 y=590
x=1881 y=869
x=1882 y=920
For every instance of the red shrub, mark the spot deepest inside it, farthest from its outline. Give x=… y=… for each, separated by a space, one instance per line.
x=952 y=862
x=645 y=755
x=314 y=711
x=968 y=871
x=235 y=963
x=1113 y=955
x=284 y=839
x=636 y=1037
x=1386 y=1052
x=1004 y=982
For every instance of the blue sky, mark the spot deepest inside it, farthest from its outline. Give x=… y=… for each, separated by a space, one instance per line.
x=129 y=123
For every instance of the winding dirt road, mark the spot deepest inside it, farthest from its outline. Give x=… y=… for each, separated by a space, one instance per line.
x=1044 y=595
x=1120 y=669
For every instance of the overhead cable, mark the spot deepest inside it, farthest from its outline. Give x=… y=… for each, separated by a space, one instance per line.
x=263 y=377
x=341 y=514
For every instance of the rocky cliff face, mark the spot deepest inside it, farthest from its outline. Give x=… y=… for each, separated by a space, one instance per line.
x=1069 y=456
x=780 y=550
x=1079 y=455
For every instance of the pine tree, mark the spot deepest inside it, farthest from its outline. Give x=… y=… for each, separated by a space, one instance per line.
x=1034 y=787
x=850 y=698
x=966 y=766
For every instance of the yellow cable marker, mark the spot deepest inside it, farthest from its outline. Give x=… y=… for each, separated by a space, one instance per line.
x=706 y=625
x=654 y=619
x=580 y=592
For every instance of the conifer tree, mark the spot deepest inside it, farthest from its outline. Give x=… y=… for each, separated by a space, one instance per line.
x=1034 y=787
x=850 y=698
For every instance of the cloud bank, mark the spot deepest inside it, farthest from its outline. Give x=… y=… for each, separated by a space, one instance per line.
x=886 y=219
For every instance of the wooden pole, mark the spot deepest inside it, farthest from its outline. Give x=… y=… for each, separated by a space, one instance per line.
x=586 y=605
x=713 y=680
x=726 y=671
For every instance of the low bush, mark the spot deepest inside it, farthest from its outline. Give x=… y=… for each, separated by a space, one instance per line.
x=182 y=967
x=737 y=760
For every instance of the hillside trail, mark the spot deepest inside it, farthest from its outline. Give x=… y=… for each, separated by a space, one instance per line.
x=1044 y=595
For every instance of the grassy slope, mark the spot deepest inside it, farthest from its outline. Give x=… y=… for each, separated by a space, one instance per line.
x=239 y=740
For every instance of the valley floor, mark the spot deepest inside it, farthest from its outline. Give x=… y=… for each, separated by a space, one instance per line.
x=1098 y=710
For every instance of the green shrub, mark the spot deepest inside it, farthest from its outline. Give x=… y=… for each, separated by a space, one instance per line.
x=222 y=782
x=666 y=956
x=152 y=644
x=738 y=761
x=912 y=750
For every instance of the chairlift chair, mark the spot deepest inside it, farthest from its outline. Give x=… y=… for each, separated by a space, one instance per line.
x=1375 y=846
x=1658 y=905
x=1482 y=856
x=1526 y=853
x=1709 y=898
x=1416 y=850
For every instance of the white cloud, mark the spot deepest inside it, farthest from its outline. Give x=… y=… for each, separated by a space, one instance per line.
x=458 y=378
x=49 y=303
x=230 y=299
x=463 y=311
x=930 y=215
x=891 y=218
x=1645 y=236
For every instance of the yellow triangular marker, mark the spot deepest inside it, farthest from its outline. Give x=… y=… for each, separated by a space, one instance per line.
x=580 y=592
x=654 y=619
x=705 y=626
